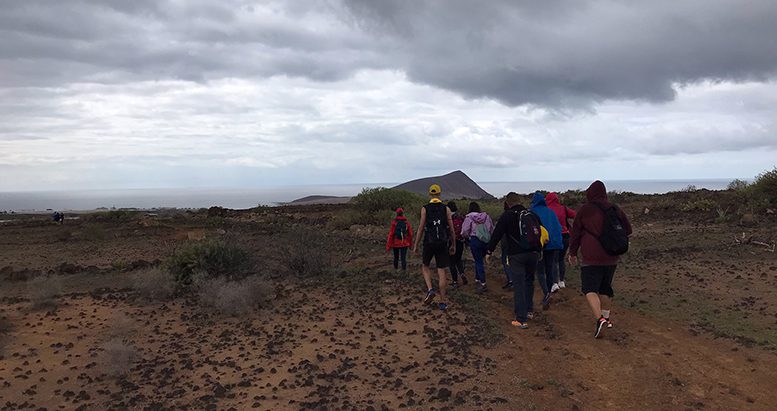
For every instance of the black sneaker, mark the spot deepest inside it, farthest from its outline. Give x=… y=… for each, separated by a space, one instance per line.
x=454 y=285
x=481 y=288
x=429 y=297
x=508 y=285
x=601 y=324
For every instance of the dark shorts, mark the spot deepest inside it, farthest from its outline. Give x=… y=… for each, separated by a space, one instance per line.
x=597 y=279
x=438 y=251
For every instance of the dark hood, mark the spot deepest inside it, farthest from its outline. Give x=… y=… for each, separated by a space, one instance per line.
x=596 y=192
x=551 y=199
x=538 y=200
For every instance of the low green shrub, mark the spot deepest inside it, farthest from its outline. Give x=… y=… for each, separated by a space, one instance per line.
x=765 y=184
x=699 y=205
x=376 y=199
x=216 y=258
x=154 y=284
x=738 y=185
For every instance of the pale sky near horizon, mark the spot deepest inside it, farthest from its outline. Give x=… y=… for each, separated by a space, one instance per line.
x=170 y=93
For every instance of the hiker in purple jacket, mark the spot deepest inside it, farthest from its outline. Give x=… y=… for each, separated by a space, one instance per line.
x=478 y=228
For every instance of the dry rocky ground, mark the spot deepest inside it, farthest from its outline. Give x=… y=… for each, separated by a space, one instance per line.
x=695 y=321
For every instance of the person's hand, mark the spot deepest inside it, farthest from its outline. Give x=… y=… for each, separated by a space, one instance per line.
x=452 y=249
x=415 y=250
x=572 y=259
x=488 y=257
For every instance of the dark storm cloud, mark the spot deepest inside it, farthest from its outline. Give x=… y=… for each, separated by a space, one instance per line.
x=560 y=53
x=571 y=52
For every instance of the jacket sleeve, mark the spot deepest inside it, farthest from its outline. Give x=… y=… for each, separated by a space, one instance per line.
x=570 y=212
x=576 y=234
x=391 y=234
x=466 y=227
x=489 y=224
x=499 y=231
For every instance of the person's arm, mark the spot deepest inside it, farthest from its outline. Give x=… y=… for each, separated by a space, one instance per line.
x=420 y=233
x=499 y=231
x=574 y=238
x=466 y=227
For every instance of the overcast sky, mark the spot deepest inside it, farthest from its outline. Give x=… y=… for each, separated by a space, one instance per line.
x=152 y=93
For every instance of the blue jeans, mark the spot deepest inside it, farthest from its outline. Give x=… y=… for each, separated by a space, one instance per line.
x=521 y=268
x=478 y=254
x=562 y=261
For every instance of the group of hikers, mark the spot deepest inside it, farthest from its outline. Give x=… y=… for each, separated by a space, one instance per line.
x=534 y=243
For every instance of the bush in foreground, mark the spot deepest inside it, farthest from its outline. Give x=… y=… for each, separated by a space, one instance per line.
x=118 y=357
x=43 y=291
x=154 y=284
x=305 y=253
x=234 y=298
x=765 y=184
x=216 y=258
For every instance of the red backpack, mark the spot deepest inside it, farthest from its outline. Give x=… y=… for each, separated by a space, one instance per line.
x=458 y=223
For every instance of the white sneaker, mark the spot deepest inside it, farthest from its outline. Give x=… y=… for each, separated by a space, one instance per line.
x=561 y=284
x=555 y=288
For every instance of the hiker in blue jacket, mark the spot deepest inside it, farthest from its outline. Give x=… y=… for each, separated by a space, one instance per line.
x=547 y=269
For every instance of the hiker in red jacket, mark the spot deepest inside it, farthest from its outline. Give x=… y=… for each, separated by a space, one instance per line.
x=598 y=266
x=564 y=214
x=400 y=238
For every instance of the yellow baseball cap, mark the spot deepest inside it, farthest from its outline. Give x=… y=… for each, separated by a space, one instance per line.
x=434 y=189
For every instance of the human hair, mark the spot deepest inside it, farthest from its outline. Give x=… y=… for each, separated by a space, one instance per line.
x=474 y=207
x=512 y=199
x=452 y=206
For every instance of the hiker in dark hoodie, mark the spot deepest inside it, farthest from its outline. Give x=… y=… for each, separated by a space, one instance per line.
x=521 y=261
x=547 y=271
x=478 y=227
x=598 y=267
x=457 y=262
x=400 y=238
x=564 y=214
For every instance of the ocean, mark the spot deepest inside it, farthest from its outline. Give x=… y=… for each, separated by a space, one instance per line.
x=81 y=200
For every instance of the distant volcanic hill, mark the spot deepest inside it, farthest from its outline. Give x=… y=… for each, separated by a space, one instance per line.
x=454 y=185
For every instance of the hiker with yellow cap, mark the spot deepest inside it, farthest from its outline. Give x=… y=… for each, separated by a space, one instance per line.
x=436 y=230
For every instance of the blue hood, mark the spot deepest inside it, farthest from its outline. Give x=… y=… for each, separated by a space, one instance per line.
x=538 y=200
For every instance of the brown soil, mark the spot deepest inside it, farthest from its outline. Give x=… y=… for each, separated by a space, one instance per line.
x=695 y=324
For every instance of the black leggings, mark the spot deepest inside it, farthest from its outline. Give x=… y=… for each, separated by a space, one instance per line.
x=457 y=262
x=400 y=253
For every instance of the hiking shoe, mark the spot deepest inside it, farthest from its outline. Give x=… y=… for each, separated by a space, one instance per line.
x=561 y=284
x=601 y=323
x=555 y=287
x=429 y=297
x=481 y=288
x=454 y=285
x=508 y=285
x=546 y=302
x=443 y=306
x=609 y=323
x=520 y=325
x=463 y=280
x=530 y=316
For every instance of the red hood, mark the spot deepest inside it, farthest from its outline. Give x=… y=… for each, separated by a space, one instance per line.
x=551 y=199
x=596 y=192
x=400 y=217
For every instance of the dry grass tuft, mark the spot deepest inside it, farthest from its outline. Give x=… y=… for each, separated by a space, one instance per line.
x=235 y=298
x=118 y=357
x=154 y=284
x=43 y=291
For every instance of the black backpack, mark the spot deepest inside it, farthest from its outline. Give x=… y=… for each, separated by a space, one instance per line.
x=614 y=240
x=400 y=230
x=436 y=228
x=529 y=231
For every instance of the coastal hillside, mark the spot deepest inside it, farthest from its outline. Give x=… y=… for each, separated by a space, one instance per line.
x=454 y=185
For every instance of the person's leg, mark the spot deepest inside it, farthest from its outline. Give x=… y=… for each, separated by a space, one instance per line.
x=396 y=257
x=541 y=279
x=517 y=271
x=562 y=264
x=529 y=280
x=595 y=304
x=551 y=269
x=474 y=245
x=443 y=283
x=460 y=260
x=427 y=276
x=454 y=264
x=606 y=293
x=403 y=257
x=505 y=268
